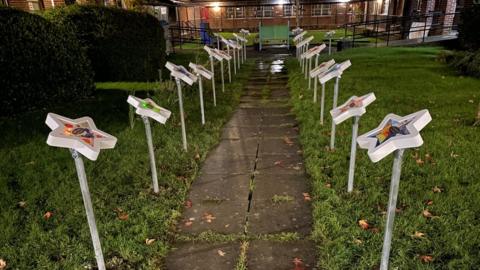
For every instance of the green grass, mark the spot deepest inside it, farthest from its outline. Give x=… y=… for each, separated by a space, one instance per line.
x=404 y=80
x=44 y=178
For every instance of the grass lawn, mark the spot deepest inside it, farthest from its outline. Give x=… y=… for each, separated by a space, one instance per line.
x=36 y=178
x=441 y=176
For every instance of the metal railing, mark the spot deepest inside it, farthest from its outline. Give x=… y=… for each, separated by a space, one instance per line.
x=387 y=29
x=180 y=35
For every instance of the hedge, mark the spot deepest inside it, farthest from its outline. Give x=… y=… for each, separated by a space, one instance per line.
x=466 y=62
x=41 y=65
x=469 y=27
x=121 y=45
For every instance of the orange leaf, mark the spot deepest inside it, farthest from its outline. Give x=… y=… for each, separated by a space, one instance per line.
x=278 y=163
x=426 y=258
x=428 y=202
x=287 y=141
x=363 y=224
x=419 y=161
x=122 y=216
x=221 y=252
x=418 y=235
x=188 y=204
x=208 y=217
x=427 y=214
x=47 y=215
x=149 y=241
x=298 y=264
x=306 y=196
x=3 y=264
x=188 y=223
x=437 y=189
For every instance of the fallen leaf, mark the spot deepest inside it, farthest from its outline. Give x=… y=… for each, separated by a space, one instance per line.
x=221 y=253
x=453 y=155
x=188 y=223
x=149 y=241
x=188 y=204
x=419 y=161
x=363 y=224
x=122 y=216
x=306 y=196
x=428 y=157
x=47 y=215
x=296 y=168
x=22 y=204
x=357 y=241
x=427 y=214
x=3 y=264
x=287 y=141
x=418 y=235
x=328 y=185
x=298 y=264
x=426 y=258
x=428 y=202
x=197 y=156
x=208 y=217
x=470 y=101
x=278 y=163
x=437 y=189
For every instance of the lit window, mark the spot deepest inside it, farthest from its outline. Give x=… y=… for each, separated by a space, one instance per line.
x=268 y=11
x=321 y=10
x=287 y=10
x=230 y=13
x=239 y=12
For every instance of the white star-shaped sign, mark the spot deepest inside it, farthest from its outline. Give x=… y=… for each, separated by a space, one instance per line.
x=79 y=134
x=314 y=51
x=298 y=37
x=223 y=54
x=234 y=44
x=395 y=132
x=239 y=38
x=335 y=71
x=147 y=107
x=330 y=34
x=200 y=70
x=321 y=68
x=355 y=106
x=305 y=41
x=213 y=53
x=181 y=73
x=245 y=32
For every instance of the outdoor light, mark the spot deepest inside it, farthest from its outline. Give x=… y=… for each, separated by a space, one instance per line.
x=147 y=108
x=216 y=7
x=82 y=137
x=354 y=107
x=394 y=134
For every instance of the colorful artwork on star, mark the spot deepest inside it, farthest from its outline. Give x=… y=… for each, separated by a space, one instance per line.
x=147 y=104
x=81 y=130
x=356 y=103
x=183 y=71
x=390 y=130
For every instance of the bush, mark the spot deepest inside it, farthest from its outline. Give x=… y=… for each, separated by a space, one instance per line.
x=122 y=45
x=469 y=28
x=40 y=64
x=466 y=62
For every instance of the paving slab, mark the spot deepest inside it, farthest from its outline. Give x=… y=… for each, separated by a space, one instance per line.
x=202 y=256
x=275 y=146
x=241 y=133
x=288 y=131
x=244 y=120
x=291 y=187
x=279 y=120
x=269 y=217
x=223 y=217
x=242 y=147
x=287 y=164
x=230 y=164
x=263 y=255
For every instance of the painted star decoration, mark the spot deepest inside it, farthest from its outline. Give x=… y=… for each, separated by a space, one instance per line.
x=181 y=73
x=222 y=54
x=147 y=107
x=335 y=71
x=323 y=67
x=395 y=132
x=304 y=42
x=299 y=36
x=355 y=106
x=200 y=70
x=79 y=134
x=314 y=51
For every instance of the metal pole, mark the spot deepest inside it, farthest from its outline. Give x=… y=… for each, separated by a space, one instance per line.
x=229 y=72
x=353 y=153
x=200 y=92
x=223 y=80
x=148 y=131
x=218 y=42
x=182 y=118
x=160 y=74
x=234 y=61
x=309 y=67
x=87 y=202
x=213 y=81
x=392 y=203
x=335 y=97
x=238 y=58
x=322 y=105
x=315 y=90
x=330 y=46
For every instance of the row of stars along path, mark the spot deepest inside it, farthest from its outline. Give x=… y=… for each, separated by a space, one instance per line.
x=252 y=188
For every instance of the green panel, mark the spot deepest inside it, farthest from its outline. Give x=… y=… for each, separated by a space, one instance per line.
x=274 y=32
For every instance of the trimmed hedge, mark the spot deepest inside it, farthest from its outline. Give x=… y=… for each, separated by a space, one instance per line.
x=121 y=45
x=40 y=64
x=469 y=27
x=466 y=62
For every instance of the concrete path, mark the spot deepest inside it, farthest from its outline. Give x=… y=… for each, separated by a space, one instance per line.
x=251 y=188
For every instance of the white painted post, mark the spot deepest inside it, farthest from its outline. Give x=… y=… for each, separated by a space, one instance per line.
x=335 y=97
x=322 y=105
x=182 y=117
x=213 y=81
x=200 y=92
x=353 y=153
x=223 y=80
x=392 y=205
x=87 y=202
x=148 y=131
